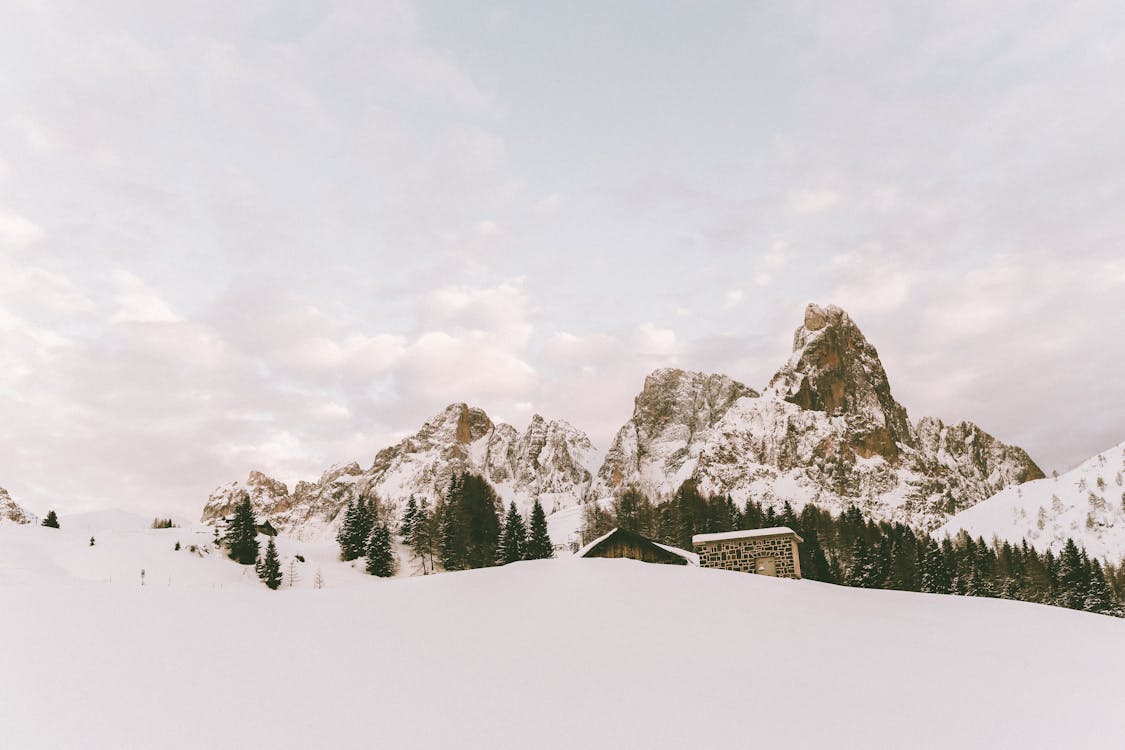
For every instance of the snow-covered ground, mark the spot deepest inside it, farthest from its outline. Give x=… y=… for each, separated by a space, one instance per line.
x=568 y=653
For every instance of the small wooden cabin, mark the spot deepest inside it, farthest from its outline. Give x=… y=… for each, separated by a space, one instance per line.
x=630 y=544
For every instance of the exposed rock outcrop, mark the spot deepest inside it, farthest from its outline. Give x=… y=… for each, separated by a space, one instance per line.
x=12 y=513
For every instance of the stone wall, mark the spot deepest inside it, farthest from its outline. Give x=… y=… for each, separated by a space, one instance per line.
x=742 y=554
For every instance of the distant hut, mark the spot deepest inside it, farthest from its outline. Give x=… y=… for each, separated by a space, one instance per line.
x=770 y=552
x=630 y=544
x=265 y=527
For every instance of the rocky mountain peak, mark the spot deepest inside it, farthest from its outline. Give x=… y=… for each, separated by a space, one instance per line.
x=673 y=408
x=834 y=369
x=693 y=401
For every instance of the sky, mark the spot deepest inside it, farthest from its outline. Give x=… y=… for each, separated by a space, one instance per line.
x=280 y=235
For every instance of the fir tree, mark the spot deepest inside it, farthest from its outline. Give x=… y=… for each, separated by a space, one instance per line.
x=409 y=517
x=241 y=537
x=1099 y=596
x=359 y=519
x=51 y=521
x=539 y=545
x=380 y=557
x=513 y=538
x=269 y=570
x=1071 y=577
x=91 y=541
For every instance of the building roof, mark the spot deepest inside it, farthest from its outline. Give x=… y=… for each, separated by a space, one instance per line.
x=727 y=535
x=691 y=557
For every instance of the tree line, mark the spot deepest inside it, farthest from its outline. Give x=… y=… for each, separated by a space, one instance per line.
x=469 y=528
x=852 y=550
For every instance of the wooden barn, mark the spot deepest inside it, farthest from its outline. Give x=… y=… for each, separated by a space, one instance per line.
x=630 y=544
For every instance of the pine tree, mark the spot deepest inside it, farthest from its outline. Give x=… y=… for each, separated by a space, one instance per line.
x=539 y=545
x=241 y=537
x=409 y=518
x=269 y=570
x=1071 y=577
x=380 y=557
x=513 y=538
x=51 y=521
x=421 y=535
x=359 y=518
x=1099 y=595
x=91 y=541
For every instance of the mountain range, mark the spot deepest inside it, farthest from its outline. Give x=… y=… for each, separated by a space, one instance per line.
x=825 y=429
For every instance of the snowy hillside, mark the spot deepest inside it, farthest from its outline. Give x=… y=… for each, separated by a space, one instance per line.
x=1086 y=504
x=550 y=654
x=826 y=430
x=552 y=462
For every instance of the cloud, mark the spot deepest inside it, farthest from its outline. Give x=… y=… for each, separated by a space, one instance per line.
x=812 y=201
x=18 y=231
x=772 y=262
x=137 y=302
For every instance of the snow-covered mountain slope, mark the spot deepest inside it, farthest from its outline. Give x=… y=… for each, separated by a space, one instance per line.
x=551 y=654
x=550 y=461
x=1086 y=504
x=827 y=430
x=10 y=512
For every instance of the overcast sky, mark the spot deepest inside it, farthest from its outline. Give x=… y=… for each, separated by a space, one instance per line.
x=279 y=235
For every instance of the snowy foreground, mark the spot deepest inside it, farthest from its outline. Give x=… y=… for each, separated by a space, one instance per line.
x=553 y=654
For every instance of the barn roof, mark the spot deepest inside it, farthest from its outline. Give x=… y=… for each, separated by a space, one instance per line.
x=771 y=531
x=691 y=557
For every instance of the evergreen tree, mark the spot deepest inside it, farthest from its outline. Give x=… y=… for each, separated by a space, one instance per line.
x=1071 y=577
x=539 y=545
x=241 y=537
x=1099 y=596
x=51 y=521
x=91 y=541
x=513 y=538
x=409 y=517
x=269 y=570
x=380 y=557
x=359 y=519
x=421 y=535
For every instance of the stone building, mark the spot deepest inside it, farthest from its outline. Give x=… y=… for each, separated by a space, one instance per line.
x=625 y=543
x=771 y=552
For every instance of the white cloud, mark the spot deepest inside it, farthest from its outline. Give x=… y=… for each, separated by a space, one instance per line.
x=733 y=299
x=18 y=231
x=772 y=262
x=137 y=302
x=812 y=201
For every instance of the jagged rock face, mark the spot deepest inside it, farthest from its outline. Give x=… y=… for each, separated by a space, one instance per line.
x=11 y=512
x=673 y=410
x=1086 y=504
x=264 y=493
x=835 y=370
x=827 y=430
x=551 y=461
x=991 y=464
